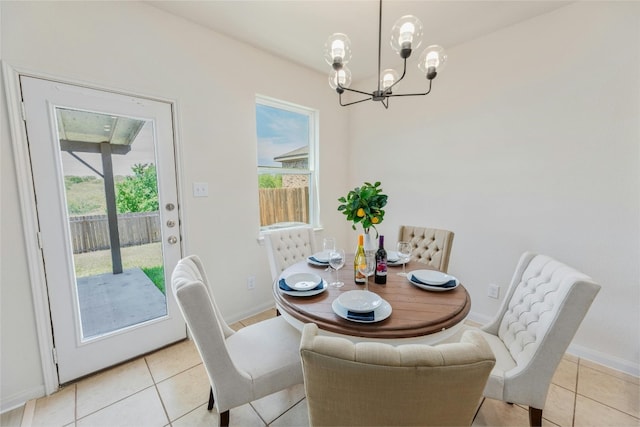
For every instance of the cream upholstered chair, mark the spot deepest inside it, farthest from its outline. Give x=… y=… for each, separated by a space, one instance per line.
x=242 y=366
x=288 y=246
x=537 y=320
x=430 y=245
x=376 y=384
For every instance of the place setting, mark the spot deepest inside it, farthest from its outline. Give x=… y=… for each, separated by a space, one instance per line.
x=432 y=280
x=302 y=285
x=362 y=306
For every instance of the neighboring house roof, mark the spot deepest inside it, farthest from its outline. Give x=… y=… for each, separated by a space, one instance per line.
x=297 y=154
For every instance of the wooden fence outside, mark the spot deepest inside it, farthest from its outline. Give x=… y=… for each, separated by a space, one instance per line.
x=283 y=205
x=91 y=232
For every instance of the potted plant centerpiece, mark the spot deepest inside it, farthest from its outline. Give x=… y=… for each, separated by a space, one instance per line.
x=364 y=205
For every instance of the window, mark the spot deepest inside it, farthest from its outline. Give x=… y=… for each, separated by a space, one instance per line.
x=287 y=141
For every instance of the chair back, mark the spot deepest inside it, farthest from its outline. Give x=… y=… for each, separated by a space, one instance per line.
x=208 y=330
x=288 y=246
x=373 y=384
x=542 y=310
x=430 y=245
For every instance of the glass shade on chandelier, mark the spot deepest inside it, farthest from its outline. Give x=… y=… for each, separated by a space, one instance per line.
x=406 y=36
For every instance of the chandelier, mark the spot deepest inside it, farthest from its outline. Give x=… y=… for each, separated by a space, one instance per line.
x=406 y=36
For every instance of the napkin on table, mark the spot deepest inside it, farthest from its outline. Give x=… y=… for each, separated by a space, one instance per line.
x=368 y=316
x=450 y=284
x=314 y=259
x=282 y=284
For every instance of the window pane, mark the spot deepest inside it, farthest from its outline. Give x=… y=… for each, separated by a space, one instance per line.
x=284 y=172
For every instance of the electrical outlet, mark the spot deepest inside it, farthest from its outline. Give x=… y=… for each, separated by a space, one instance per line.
x=251 y=283
x=493 y=291
x=200 y=189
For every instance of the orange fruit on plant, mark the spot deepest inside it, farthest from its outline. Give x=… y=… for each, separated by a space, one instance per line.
x=360 y=212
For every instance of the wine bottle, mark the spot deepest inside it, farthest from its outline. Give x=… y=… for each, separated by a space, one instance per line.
x=359 y=278
x=381 y=264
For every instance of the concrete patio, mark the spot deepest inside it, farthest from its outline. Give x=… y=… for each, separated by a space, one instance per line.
x=109 y=302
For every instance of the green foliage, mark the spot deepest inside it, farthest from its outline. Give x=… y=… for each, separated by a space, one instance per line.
x=269 y=181
x=84 y=207
x=364 y=205
x=138 y=193
x=85 y=195
x=156 y=274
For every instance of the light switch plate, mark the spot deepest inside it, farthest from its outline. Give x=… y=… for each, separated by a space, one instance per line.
x=200 y=189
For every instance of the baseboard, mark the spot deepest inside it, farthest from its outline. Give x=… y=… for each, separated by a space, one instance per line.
x=12 y=402
x=582 y=352
x=246 y=314
x=605 y=359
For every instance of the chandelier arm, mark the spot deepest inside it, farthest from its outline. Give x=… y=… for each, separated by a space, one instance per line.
x=413 y=94
x=355 y=90
x=354 y=102
x=404 y=72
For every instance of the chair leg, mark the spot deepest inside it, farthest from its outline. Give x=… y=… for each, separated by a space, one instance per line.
x=211 y=402
x=535 y=417
x=224 y=419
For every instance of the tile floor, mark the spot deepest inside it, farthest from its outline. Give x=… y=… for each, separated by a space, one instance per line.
x=169 y=388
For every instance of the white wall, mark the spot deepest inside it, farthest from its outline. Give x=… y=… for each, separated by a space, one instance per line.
x=138 y=48
x=529 y=141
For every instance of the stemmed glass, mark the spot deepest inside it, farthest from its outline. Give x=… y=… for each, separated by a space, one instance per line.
x=336 y=261
x=328 y=245
x=366 y=266
x=404 y=253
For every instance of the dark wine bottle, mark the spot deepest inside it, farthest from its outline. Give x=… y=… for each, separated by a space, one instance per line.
x=381 y=264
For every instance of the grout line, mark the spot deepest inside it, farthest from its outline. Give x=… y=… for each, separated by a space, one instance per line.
x=155 y=386
x=28 y=413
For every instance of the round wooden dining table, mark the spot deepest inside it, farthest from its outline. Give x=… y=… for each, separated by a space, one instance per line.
x=417 y=315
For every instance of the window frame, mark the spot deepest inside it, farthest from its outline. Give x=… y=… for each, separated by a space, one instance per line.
x=312 y=167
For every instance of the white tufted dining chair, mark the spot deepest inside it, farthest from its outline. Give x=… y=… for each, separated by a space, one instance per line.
x=242 y=366
x=288 y=246
x=537 y=320
x=431 y=246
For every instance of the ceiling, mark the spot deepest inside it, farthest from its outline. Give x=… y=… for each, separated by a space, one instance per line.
x=297 y=29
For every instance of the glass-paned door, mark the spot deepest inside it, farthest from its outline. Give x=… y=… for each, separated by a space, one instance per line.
x=105 y=182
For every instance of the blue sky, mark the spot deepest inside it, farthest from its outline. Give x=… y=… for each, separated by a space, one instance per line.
x=279 y=131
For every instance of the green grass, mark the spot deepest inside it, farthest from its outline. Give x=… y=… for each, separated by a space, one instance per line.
x=99 y=262
x=156 y=274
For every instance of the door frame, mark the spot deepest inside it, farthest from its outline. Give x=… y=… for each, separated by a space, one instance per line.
x=26 y=192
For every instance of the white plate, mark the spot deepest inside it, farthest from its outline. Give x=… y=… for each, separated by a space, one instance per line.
x=432 y=288
x=303 y=281
x=432 y=277
x=359 y=301
x=310 y=293
x=312 y=261
x=392 y=257
x=379 y=314
x=322 y=256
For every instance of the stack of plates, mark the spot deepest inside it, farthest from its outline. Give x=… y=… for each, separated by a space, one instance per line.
x=432 y=280
x=361 y=306
x=393 y=258
x=320 y=258
x=302 y=284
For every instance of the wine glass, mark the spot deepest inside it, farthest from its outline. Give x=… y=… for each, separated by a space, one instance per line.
x=404 y=253
x=366 y=266
x=336 y=261
x=328 y=245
